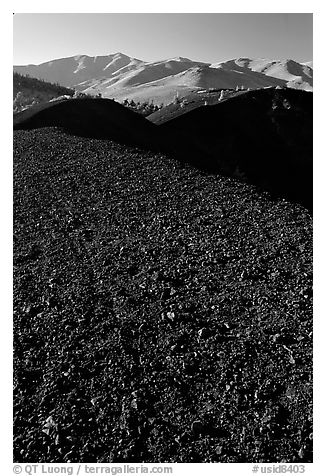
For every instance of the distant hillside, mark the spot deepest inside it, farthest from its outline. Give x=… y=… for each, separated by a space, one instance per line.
x=182 y=105
x=29 y=91
x=121 y=77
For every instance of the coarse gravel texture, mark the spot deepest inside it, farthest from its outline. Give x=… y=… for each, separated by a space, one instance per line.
x=161 y=314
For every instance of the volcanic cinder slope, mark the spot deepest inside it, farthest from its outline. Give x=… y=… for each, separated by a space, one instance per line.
x=263 y=137
x=101 y=118
x=161 y=313
x=120 y=76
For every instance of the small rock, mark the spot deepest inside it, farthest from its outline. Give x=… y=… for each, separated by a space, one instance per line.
x=219 y=212
x=203 y=333
x=142 y=327
x=301 y=453
x=197 y=426
x=49 y=425
x=224 y=328
x=51 y=302
x=133 y=404
x=165 y=294
x=32 y=311
x=95 y=400
x=218 y=450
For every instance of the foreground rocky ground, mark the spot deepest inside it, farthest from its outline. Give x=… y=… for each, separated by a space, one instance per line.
x=160 y=314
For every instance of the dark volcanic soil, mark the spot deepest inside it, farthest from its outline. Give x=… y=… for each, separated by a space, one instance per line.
x=161 y=314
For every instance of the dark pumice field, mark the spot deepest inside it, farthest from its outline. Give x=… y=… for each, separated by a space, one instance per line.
x=162 y=313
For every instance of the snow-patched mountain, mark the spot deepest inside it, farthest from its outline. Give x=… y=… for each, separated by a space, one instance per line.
x=77 y=69
x=295 y=74
x=120 y=76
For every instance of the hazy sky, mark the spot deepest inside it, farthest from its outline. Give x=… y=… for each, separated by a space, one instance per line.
x=208 y=37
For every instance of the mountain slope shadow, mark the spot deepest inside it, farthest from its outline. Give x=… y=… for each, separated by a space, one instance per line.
x=263 y=137
x=90 y=117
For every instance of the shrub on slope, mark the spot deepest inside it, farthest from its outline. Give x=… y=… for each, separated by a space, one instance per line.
x=192 y=101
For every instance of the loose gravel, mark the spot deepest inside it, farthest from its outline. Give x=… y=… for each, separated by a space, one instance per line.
x=161 y=314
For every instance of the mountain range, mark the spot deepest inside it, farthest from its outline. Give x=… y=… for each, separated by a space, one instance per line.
x=120 y=77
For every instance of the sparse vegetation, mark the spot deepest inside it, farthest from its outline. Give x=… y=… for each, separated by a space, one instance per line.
x=29 y=91
x=81 y=95
x=144 y=108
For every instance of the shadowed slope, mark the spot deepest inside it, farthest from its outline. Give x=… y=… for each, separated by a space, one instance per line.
x=263 y=137
x=100 y=118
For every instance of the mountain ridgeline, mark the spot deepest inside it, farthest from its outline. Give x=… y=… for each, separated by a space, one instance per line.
x=121 y=77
